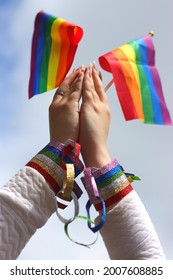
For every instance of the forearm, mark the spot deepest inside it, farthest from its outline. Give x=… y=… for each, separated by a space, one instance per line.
x=26 y=204
x=128 y=232
x=28 y=199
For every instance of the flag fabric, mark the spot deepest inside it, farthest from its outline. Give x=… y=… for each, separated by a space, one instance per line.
x=137 y=81
x=54 y=45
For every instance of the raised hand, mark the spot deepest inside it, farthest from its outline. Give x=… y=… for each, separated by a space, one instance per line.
x=94 y=120
x=64 y=109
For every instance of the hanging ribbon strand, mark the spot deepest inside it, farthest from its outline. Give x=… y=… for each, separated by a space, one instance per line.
x=76 y=242
x=71 y=152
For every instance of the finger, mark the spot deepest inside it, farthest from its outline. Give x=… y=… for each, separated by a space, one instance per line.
x=64 y=86
x=71 y=77
x=88 y=85
x=99 y=88
x=57 y=96
x=100 y=76
x=95 y=67
x=75 y=90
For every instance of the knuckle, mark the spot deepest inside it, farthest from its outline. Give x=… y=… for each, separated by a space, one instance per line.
x=76 y=86
x=72 y=97
x=65 y=106
x=88 y=94
x=54 y=106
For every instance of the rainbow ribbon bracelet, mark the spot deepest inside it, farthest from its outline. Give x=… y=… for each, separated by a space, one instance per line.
x=109 y=184
x=59 y=164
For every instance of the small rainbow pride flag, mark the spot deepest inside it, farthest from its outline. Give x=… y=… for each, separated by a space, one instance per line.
x=137 y=81
x=54 y=45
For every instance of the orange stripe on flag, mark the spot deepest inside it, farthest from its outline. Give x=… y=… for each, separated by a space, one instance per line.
x=131 y=81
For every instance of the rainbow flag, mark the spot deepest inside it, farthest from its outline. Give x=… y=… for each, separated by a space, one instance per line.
x=54 y=45
x=137 y=81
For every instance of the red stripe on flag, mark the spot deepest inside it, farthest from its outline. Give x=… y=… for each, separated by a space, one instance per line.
x=110 y=63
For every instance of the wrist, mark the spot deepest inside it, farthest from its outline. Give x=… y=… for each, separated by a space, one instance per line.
x=52 y=162
x=97 y=158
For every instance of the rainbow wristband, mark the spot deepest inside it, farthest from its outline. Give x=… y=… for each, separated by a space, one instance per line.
x=112 y=184
x=51 y=162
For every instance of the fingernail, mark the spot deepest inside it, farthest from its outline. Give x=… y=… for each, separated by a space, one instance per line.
x=94 y=65
x=100 y=75
x=77 y=69
x=87 y=71
x=80 y=72
x=83 y=67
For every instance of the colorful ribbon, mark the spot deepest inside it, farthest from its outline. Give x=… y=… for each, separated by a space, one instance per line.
x=93 y=193
x=97 y=227
x=76 y=209
x=76 y=242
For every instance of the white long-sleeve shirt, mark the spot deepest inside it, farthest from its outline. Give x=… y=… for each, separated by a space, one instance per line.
x=28 y=200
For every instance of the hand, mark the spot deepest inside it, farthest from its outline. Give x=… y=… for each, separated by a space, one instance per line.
x=94 y=120
x=64 y=110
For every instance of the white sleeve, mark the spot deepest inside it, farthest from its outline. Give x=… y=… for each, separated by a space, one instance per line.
x=26 y=203
x=128 y=233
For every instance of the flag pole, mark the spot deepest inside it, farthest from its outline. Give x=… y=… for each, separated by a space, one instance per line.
x=151 y=33
x=109 y=85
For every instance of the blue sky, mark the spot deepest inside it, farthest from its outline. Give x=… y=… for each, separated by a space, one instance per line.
x=143 y=149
